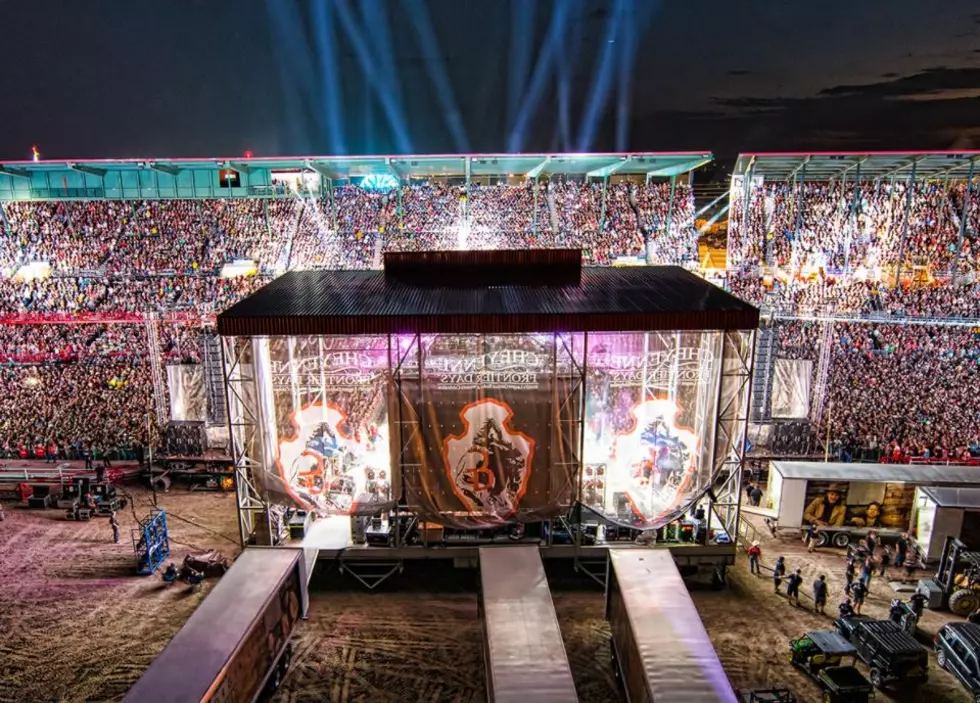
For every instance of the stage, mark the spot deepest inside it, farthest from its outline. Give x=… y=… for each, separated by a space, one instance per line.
x=479 y=391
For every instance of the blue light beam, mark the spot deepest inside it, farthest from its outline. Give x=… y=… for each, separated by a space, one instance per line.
x=429 y=46
x=331 y=97
x=602 y=77
x=392 y=112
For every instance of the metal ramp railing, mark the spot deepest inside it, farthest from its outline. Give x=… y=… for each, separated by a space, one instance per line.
x=372 y=574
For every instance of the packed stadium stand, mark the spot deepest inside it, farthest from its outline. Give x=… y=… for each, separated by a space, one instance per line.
x=865 y=266
x=111 y=269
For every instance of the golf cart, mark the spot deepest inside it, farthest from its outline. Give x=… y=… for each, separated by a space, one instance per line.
x=830 y=660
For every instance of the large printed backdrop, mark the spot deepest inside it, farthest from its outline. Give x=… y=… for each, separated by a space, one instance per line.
x=491 y=432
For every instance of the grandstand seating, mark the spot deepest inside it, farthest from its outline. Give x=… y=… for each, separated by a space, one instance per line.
x=114 y=261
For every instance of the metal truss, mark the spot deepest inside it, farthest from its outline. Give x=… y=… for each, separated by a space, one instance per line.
x=400 y=368
x=156 y=370
x=242 y=436
x=823 y=371
x=731 y=423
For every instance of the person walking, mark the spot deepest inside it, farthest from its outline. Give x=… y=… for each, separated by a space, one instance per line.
x=755 y=495
x=910 y=563
x=872 y=541
x=858 y=593
x=901 y=548
x=114 y=524
x=793 y=587
x=886 y=561
x=755 y=553
x=820 y=594
x=778 y=571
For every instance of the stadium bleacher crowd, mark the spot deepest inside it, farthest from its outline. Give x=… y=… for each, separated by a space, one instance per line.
x=826 y=250
x=74 y=352
x=808 y=249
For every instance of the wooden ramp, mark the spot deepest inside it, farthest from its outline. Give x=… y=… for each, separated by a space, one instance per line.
x=524 y=652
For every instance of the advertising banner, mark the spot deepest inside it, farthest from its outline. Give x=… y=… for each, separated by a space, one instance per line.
x=859 y=504
x=492 y=430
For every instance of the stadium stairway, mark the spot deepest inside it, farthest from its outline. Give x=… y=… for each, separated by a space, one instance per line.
x=765 y=352
x=214 y=383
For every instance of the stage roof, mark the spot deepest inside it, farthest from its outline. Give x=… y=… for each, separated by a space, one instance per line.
x=826 y=166
x=401 y=166
x=629 y=299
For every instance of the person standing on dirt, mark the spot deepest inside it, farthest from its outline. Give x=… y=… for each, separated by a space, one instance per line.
x=867 y=569
x=886 y=561
x=910 y=563
x=778 y=571
x=755 y=494
x=755 y=553
x=849 y=572
x=114 y=524
x=820 y=594
x=793 y=587
x=858 y=593
x=872 y=542
x=901 y=548
x=810 y=537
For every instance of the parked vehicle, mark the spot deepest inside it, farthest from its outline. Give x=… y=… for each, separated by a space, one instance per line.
x=958 y=651
x=956 y=585
x=892 y=655
x=830 y=660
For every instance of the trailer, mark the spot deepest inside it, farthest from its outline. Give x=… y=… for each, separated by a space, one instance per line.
x=235 y=646
x=661 y=651
x=846 y=500
x=523 y=650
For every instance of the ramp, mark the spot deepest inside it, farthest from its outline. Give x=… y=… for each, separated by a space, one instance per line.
x=662 y=650
x=524 y=652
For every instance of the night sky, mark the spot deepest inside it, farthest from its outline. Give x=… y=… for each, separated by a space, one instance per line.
x=135 y=78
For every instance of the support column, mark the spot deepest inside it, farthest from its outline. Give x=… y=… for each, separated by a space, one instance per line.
x=534 y=221
x=852 y=224
x=602 y=214
x=746 y=193
x=799 y=207
x=905 y=227
x=670 y=205
x=964 y=217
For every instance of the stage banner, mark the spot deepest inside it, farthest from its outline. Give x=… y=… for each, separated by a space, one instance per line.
x=330 y=417
x=650 y=438
x=490 y=429
x=185 y=384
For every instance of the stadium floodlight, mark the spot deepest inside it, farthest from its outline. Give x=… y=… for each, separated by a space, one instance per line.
x=239 y=268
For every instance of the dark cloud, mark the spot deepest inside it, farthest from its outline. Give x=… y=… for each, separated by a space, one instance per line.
x=928 y=81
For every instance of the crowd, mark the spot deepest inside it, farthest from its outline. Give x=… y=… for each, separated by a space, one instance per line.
x=895 y=390
x=839 y=227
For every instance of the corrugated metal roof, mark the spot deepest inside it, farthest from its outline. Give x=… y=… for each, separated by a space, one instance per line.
x=638 y=298
x=829 y=166
x=925 y=474
x=953 y=497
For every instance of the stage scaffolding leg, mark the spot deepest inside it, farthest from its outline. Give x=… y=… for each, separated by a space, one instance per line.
x=242 y=435
x=730 y=428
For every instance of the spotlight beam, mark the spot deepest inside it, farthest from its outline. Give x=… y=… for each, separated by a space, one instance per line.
x=392 y=112
x=542 y=68
x=601 y=77
x=521 y=36
x=331 y=98
x=429 y=46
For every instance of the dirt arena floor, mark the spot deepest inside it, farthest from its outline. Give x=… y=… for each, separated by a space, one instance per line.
x=76 y=622
x=77 y=625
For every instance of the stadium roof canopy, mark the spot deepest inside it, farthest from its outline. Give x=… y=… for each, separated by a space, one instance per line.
x=402 y=166
x=533 y=291
x=871 y=165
